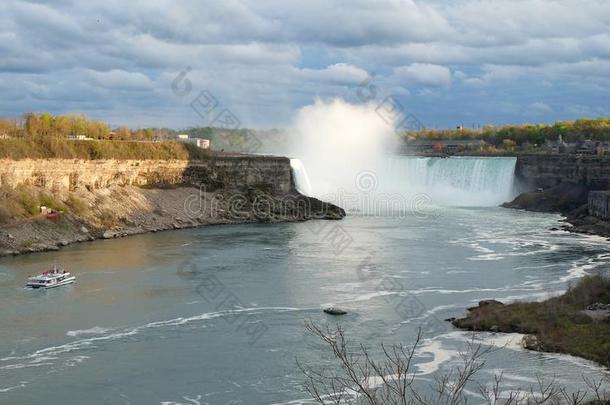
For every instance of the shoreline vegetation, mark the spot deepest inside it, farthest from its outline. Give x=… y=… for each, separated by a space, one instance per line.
x=41 y=128
x=518 y=134
x=58 y=148
x=576 y=322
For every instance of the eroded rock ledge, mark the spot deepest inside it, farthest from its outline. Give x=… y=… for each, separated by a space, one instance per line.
x=574 y=186
x=121 y=198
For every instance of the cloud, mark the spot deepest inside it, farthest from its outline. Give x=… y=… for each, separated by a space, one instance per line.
x=539 y=108
x=337 y=73
x=120 y=80
x=267 y=58
x=425 y=74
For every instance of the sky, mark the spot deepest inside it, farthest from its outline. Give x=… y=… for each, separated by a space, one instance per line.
x=256 y=63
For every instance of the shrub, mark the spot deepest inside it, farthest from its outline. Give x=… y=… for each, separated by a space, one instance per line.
x=26 y=148
x=29 y=200
x=50 y=202
x=76 y=205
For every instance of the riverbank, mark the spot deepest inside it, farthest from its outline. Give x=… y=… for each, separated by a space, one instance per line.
x=105 y=199
x=129 y=210
x=567 y=199
x=574 y=323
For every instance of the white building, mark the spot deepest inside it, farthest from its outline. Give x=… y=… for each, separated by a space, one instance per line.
x=201 y=143
x=77 y=138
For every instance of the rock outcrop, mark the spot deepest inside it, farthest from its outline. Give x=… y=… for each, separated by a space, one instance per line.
x=572 y=185
x=550 y=170
x=217 y=172
x=121 y=198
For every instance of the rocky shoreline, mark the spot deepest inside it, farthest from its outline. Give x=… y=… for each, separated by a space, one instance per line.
x=565 y=184
x=138 y=211
x=112 y=199
x=575 y=323
x=567 y=199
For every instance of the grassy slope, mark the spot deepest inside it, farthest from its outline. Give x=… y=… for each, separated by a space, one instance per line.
x=27 y=148
x=558 y=322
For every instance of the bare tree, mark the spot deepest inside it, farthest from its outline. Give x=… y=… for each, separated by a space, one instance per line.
x=388 y=379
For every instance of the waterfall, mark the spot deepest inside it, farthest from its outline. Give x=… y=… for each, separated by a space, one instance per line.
x=454 y=181
x=301 y=179
x=399 y=183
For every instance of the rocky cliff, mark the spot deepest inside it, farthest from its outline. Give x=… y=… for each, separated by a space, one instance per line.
x=545 y=171
x=108 y=198
x=598 y=204
x=61 y=175
x=573 y=185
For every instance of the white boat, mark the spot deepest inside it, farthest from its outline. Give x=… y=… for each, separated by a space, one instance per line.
x=51 y=278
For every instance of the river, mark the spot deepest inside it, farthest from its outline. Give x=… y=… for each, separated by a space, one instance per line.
x=216 y=313
x=219 y=311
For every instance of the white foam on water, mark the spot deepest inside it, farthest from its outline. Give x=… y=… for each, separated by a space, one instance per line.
x=53 y=352
x=440 y=355
x=361 y=297
x=429 y=313
x=512 y=341
x=446 y=291
x=22 y=384
x=510 y=377
x=583 y=267
x=544 y=266
x=24 y=365
x=96 y=330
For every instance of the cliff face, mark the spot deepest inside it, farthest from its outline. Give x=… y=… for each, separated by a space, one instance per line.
x=545 y=171
x=60 y=175
x=568 y=184
x=599 y=204
x=107 y=198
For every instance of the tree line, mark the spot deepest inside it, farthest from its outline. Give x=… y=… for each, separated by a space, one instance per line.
x=46 y=125
x=534 y=134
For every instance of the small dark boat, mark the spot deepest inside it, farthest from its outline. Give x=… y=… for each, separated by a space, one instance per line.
x=335 y=311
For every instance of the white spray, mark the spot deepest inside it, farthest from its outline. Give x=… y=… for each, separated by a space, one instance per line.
x=336 y=141
x=347 y=150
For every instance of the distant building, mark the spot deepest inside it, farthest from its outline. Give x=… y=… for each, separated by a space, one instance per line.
x=560 y=146
x=77 y=138
x=444 y=145
x=586 y=147
x=201 y=143
x=603 y=148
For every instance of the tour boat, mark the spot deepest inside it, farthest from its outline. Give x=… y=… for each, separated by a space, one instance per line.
x=51 y=278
